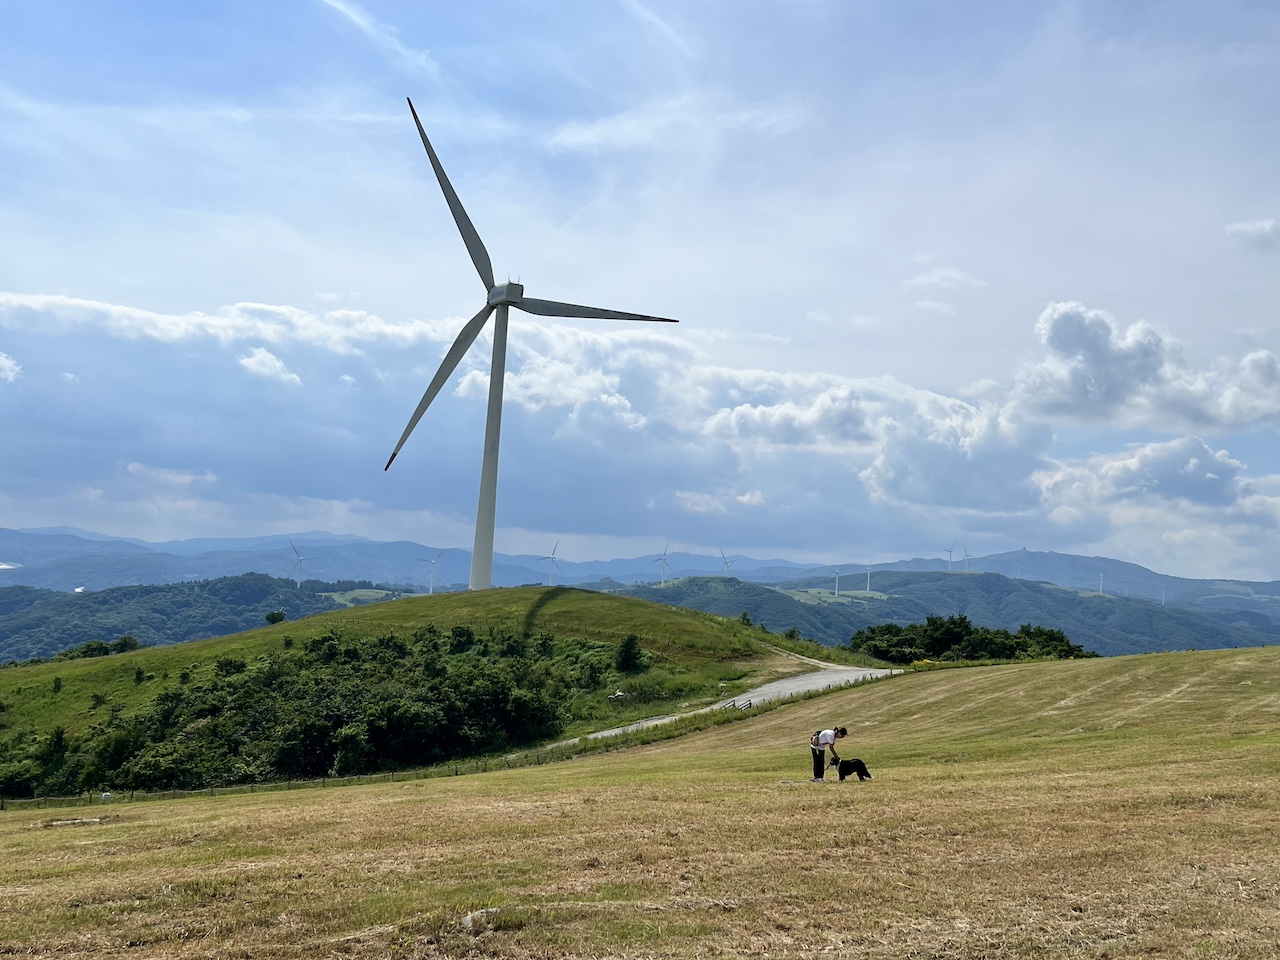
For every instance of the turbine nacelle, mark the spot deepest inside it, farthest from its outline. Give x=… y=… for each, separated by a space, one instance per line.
x=508 y=293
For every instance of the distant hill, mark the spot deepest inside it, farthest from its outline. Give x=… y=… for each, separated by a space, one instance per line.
x=1105 y=624
x=40 y=623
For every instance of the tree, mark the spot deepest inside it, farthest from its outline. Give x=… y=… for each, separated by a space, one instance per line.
x=630 y=657
x=275 y=616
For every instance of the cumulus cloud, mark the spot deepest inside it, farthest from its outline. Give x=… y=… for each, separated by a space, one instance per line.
x=338 y=331
x=9 y=368
x=1259 y=234
x=70 y=378
x=263 y=363
x=1185 y=469
x=1096 y=371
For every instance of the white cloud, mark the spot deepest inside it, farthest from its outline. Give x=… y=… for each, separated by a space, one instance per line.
x=643 y=13
x=70 y=378
x=1136 y=377
x=9 y=368
x=945 y=278
x=167 y=477
x=337 y=330
x=1185 y=469
x=263 y=363
x=384 y=36
x=935 y=306
x=695 y=502
x=683 y=122
x=752 y=498
x=1260 y=234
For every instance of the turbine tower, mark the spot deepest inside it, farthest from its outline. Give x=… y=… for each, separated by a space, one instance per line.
x=949 y=551
x=551 y=567
x=838 y=571
x=665 y=565
x=499 y=299
x=967 y=558
x=297 y=567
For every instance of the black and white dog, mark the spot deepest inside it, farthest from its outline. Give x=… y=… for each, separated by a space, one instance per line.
x=848 y=767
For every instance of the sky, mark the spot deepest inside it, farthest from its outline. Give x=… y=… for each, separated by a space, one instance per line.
x=967 y=276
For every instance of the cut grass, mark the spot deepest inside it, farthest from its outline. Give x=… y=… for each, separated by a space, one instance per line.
x=1111 y=808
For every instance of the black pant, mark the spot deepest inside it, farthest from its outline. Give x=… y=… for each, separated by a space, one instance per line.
x=819 y=761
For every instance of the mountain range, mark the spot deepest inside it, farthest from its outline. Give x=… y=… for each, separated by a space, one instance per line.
x=1108 y=605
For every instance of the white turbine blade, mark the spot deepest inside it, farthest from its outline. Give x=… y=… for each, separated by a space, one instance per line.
x=554 y=308
x=295 y=550
x=475 y=247
x=447 y=366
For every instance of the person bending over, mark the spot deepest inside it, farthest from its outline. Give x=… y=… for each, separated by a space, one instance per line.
x=819 y=744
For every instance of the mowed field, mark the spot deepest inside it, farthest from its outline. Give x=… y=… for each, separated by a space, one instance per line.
x=1125 y=807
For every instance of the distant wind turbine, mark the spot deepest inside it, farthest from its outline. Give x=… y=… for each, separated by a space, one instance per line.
x=868 y=578
x=838 y=572
x=950 y=550
x=728 y=564
x=665 y=565
x=297 y=567
x=432 y=588
x=551 y=566
x=499 y=298
x=967 y=558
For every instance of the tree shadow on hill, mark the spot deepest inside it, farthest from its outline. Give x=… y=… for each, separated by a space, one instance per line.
x=544 y=598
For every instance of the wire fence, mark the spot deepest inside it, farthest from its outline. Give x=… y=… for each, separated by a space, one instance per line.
x=644 y=732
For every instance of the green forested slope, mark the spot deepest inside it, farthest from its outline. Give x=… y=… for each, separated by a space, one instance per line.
x=399 y=684
x=1105 y=624
x=40 y=623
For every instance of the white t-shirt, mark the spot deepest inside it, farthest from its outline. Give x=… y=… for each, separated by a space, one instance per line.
x=826 y=738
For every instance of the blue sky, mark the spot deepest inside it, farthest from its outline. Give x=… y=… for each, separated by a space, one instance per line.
x=992 y=275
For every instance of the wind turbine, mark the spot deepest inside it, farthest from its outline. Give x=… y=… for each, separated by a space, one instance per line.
x=499 y=299
x=728 y=564
x=868 y=578
x=297 y=567
x=950 y=550
x=551 y=567
x=665 y=565
x=838 y=572
x=432 y=588
x=966 y=558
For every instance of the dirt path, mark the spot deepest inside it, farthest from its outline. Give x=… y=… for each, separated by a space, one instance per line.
x=826 y=677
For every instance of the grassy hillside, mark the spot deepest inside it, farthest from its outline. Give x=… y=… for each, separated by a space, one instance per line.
x=1106 y=624
x=1117 y=808
x=88 y=691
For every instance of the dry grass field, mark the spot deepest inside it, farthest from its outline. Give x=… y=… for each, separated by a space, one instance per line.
x=1116 y=808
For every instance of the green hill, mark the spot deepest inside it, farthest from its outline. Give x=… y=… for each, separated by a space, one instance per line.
x=399 y=684
x=1105 y=624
